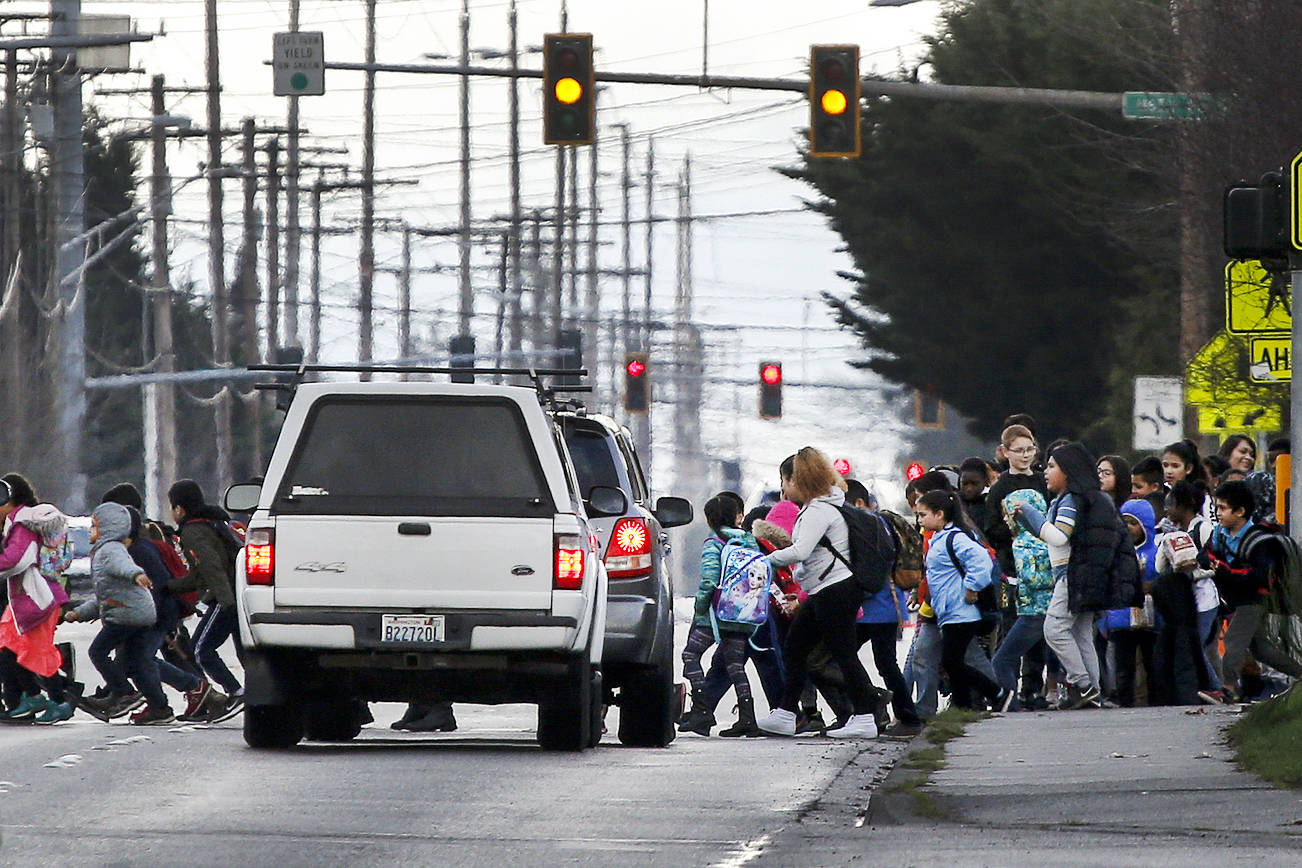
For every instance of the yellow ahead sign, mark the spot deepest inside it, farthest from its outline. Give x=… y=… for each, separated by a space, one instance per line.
x=1269 y=359
x=1255 y=301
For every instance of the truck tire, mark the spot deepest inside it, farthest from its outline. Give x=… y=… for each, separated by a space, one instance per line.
x=272 y=727
x=335 y=721
x=647 y=704
x=565 y=715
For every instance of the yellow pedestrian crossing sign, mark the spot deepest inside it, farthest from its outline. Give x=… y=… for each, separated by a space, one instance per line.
x=1268 y=360
x=1295 y=203
x=1256 y=301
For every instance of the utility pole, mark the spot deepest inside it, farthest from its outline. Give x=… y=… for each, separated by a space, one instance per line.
x=516 y=286
x=273 y=251
x=592 y=303
x=689 y=367
x=558 y=253
x=503 y=270
x=572 y=245
x=404 y=298
x=247 y=302
x=642 y=434
x=217 y=245
x=293 y=232
x=68 y=169
x=537 y=305
x=367 y=257
x=160 y=398
x=314 y=327
x=13 y=335
x=626 y=225
x=465 y=300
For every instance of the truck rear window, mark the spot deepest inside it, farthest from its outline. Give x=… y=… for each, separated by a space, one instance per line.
x=593 y=463
x=436 y=456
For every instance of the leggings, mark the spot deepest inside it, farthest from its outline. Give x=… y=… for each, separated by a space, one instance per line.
x=733 y=648
x=828 y=615
x=963 y=679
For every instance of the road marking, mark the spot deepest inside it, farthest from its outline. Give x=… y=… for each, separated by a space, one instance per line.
x=747 y=852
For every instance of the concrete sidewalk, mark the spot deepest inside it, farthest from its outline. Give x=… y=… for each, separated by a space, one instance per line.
x=1151 y=786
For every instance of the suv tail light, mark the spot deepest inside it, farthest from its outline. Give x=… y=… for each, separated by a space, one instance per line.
x=570 y=556
x=260 y=556
x=629 y=553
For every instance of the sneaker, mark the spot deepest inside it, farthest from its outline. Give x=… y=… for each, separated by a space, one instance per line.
x=1004 y=701
x=811 y=721
x=55 y=713
x=779 y=721
x=153 y=717
x=194 y=700
x=27 y=710
x=234 y=705
x=858 y=726
x=1089 y=698
x=438 y=717
x=124 y=705
x=1211 y=697
x=902 y=731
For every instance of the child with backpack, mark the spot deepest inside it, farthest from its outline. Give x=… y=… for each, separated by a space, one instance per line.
x=830 y=611
x=723 y=516
x=125 y=606
x=204 y=530
x=958 y=568
x=29 y=659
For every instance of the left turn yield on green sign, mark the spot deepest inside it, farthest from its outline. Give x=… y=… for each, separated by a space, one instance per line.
x=298 y=63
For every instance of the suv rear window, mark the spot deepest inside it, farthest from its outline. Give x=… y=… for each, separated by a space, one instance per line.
x=593 y=462
x=438 y=456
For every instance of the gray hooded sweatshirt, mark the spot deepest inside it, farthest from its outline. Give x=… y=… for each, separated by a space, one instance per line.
x=118 y=599
x=818 y=568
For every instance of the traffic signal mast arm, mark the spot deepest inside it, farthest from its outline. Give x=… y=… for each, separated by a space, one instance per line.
x=1084 y=99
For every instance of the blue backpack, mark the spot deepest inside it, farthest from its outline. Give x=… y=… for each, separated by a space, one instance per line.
x=745 y=581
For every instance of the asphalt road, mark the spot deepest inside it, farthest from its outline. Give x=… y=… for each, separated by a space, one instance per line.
x=88 y=793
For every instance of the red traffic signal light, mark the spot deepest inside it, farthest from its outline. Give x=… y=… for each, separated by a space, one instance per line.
x=637 y=383
x=770 y=385
x=834 y=101
x=569 y=92
x=913 y=471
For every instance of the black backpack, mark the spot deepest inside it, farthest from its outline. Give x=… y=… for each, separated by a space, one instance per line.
x=987 y=603
x=872 y=549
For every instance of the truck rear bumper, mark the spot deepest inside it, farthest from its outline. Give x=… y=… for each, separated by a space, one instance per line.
x=326 y=629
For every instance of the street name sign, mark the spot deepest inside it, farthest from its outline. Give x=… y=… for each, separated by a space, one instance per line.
x=298 y=63
x=1139 y=105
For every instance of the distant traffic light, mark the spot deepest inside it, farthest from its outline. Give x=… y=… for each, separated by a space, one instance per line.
x=770 y=389
x=637 y=383
x=569 y=97
x=834 y=101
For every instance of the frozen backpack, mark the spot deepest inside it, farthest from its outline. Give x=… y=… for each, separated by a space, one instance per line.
x=55 y=552
x=745 y=581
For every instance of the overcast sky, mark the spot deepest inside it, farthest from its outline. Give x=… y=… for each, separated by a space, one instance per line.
x=748 y=270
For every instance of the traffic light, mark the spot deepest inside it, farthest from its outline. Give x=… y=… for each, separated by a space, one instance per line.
x=770 y=387
x=637 y=383
x=569 y=97
x=834 y=101
x=914 y=471
x=1256 y=222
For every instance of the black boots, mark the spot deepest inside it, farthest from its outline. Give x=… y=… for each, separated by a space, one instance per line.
x=745 y=726
x=697 y=720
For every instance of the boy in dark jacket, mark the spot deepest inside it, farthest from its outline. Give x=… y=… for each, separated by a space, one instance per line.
x=1243 y=555
x=211 y=575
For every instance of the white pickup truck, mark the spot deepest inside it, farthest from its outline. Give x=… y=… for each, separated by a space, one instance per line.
x=420 y=542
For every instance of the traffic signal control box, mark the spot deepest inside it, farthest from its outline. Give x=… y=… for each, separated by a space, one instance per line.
x=834 y=101
x=569 y=94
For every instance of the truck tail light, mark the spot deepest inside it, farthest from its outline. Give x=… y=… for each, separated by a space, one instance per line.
x=570 y=556
x=260 y=556
x=629 y=553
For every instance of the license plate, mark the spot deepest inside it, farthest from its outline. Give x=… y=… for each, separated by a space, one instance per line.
x=411 y=628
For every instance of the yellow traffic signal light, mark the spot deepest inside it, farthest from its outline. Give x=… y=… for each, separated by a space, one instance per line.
x=834 y=101
x=569 y=94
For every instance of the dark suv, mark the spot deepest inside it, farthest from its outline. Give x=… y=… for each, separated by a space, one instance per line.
x=638 y=659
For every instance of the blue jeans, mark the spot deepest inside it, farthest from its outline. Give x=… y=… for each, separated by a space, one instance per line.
x=217 y=625
x=136 y=656
x=172 y=676
x=922 y=667
x=1026 y=631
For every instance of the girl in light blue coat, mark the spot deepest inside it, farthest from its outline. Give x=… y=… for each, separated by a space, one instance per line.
x=957 y=568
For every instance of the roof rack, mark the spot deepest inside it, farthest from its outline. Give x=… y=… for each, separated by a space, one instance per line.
x=546 y=393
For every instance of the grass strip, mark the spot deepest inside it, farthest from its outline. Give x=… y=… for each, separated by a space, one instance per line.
x=1266 y=739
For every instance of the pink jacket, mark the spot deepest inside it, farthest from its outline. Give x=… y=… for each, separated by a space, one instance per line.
x=21 y=547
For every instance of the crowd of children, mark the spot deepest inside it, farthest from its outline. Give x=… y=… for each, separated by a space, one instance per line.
x=147 y=578
x=1049 y=580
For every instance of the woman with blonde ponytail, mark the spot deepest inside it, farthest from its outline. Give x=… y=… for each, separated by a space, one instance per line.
x=829 y=613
